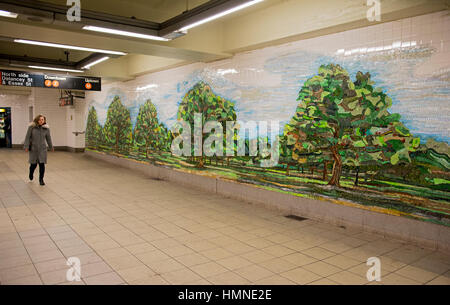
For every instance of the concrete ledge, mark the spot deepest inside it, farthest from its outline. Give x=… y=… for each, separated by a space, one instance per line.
x=420 y=233
x=200 y=182
x=74 y=149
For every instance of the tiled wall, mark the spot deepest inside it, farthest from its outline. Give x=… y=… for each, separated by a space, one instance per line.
x=409 y=59
x=46 y=103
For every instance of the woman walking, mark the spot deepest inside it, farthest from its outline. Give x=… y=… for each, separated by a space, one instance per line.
x=38 y=132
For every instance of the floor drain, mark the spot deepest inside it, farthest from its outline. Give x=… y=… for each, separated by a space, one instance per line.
x=295 y=217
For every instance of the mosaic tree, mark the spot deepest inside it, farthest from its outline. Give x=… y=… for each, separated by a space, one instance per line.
x=201 y=99
x=148 y=131
x=165 y=138
x=385 y=140
x=93 y=134
x=118 y=129
x=286 y=154
x=292 y=153
x=340 y=117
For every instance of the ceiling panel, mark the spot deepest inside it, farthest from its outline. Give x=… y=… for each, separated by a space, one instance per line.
x=18 y=49
x=150 y=10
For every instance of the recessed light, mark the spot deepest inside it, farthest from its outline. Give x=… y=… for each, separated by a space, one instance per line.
x=95 y=62
x=221 y=14
x=8 y=14
x=123 y=33
x=63 y=46
x=55 y=69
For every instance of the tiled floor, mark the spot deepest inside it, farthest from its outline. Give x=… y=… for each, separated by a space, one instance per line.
x=128 y=229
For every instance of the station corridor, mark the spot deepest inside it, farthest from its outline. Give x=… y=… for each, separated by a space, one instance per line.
x=129 y=229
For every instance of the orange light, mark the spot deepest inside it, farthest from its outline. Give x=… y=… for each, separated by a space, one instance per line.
x=55 y=83
x=88 y=86
x=48 y=83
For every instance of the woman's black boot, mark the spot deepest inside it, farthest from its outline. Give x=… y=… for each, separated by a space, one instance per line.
x=41 y=173
x=32 y=168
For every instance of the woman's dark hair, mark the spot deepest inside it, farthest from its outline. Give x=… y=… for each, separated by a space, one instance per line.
x=36 y=119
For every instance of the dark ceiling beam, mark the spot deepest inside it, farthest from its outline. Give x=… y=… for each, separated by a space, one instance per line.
x=25 y=61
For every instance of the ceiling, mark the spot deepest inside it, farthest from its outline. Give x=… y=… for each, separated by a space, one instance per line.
x=267 y=23
x=150 y=10
x=12 y=48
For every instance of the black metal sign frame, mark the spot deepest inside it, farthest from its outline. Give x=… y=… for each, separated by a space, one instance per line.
x=51 y=81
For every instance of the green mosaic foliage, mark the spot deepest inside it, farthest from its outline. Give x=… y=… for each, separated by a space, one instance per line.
x=94 y=132
x=347 y=120
x=201 y=99
x=118 y=130
x=148 y=132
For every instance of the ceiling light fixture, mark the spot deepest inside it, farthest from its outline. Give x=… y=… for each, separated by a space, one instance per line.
x=221 y=14
x=95 y=62
x=63 y=46
x=55 y=69
x=8 y=14
x=123 y=33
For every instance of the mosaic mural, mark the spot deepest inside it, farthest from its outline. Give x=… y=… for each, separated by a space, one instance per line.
x=362 y=119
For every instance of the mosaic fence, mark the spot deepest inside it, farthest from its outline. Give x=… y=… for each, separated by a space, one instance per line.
x=357 y=117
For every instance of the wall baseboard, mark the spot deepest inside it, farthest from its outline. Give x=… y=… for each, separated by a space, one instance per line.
x=57 y=148
x=74 y=149
x=420 y=233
